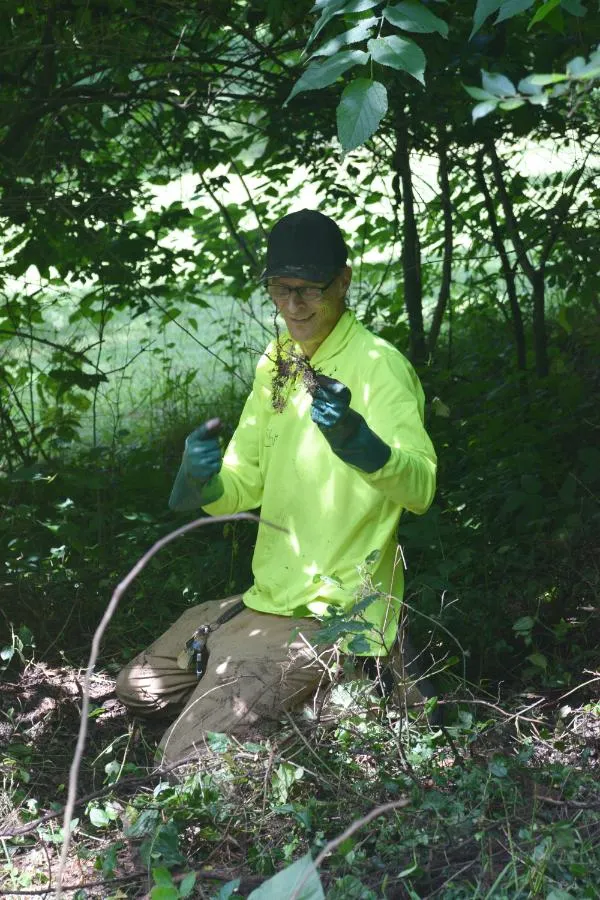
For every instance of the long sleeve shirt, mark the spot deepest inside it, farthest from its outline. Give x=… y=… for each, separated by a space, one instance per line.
x=339 y=540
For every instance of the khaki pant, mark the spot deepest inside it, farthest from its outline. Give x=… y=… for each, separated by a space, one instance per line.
x=259 y=665
x=255 y=670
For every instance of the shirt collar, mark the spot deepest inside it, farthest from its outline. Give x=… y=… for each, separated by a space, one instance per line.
x=336 y=339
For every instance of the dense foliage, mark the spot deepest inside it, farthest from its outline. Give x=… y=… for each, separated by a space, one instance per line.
x=145 y=150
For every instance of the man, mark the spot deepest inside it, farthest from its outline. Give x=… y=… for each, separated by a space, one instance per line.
x=331 y=446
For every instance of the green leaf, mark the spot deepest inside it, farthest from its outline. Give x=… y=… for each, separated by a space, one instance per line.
x=98 y=817
x=228 y=889
x=575 y=7
x=483 y=11
x=217 y=741
x=542 y=12
x=539 y=660
x=498 y=767
x=543 y=80
x=524 y=624
x=336 y=8
x=162 y=877
x=361 y=109
x=186 y=885
x=285 y=883
x=329 y=11
x=498 y=85
x=323 y=73
x=513 y=103
x=478 y=93
x=413 y=16
x=399 y=53
x=576 y=66
x=143 y=825
x=359 y=645
x=588 y=74
x=359 y=33
x=525 y=86
x=511 y=8
x=482 y=109
x=164 y=893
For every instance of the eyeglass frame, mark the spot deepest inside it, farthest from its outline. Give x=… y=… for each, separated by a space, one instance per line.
x=298 y=290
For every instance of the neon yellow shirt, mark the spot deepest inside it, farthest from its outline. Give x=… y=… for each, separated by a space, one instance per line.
x=335 y=515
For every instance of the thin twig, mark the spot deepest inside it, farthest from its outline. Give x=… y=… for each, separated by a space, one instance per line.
x=330 y=846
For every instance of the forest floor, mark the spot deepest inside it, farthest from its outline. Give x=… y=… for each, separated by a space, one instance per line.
x=505 y=802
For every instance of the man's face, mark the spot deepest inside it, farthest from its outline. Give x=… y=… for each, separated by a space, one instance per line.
x=309 y=322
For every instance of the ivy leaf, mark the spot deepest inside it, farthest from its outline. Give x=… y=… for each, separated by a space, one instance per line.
x=323 y=73
x=498 y=85
x=399 y=53
x=361 y=109
x=98 y=817
x=413 y=16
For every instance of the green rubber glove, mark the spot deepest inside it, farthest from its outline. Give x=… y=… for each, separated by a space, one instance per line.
x=198 y=481
x=346 y=431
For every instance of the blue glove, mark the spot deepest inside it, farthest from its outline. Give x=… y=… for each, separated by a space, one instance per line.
x=198 y=481
x=346 y=431
x=202 y=454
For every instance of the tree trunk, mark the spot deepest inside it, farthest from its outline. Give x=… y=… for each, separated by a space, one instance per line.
x=444 y=292
x=507 y=270
x=540 y=337
x=533 y=275
x=411 y=251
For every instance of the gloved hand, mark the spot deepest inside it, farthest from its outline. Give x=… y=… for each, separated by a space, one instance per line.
x=198 y=482
x=346 y=431
x=202 y=454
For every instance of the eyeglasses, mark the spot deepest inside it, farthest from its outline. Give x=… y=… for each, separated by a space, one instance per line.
x=309 y=293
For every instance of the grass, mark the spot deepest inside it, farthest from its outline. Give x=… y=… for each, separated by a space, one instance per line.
x=157 y=367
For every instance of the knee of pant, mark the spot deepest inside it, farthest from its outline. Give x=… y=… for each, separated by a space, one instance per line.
x=130 y=695
x=122 y=686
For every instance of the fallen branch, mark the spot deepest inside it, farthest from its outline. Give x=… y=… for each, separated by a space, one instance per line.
x=95 y=649
x=204 y=874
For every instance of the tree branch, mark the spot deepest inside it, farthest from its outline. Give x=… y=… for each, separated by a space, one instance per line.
x=78 y=354
x=507 y=269
x=95 y=649
x=511 y=222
